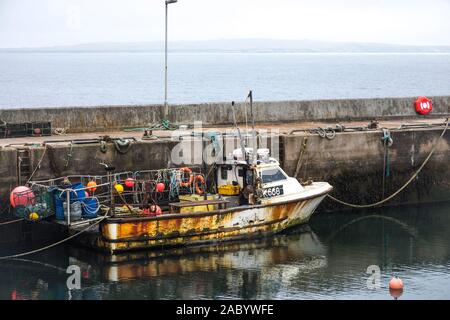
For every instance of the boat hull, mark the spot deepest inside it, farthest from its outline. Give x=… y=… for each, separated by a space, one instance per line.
x=125 y=234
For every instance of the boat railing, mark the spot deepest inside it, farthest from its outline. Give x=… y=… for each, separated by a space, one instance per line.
x=85 y=195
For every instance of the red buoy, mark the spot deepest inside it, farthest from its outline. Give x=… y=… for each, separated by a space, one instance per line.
x=160 y=187
x=396 y=283
x=423 y=106
x=129 y=182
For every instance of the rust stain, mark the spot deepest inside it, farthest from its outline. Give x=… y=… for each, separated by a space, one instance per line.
x=140 y=234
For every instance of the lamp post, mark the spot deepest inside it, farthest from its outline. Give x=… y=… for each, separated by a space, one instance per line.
x=166 y=109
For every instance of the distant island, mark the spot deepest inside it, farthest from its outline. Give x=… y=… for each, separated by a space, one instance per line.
x=240 y=46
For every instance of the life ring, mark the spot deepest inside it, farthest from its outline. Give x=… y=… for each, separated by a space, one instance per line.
x=191 y=177
x=198 y=186
x=423 y=106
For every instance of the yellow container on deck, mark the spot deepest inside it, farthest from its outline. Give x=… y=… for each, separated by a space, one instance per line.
x=196 y=197
x=229 y=190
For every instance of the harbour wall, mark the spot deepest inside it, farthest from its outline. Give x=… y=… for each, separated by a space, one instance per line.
x=107 y=118
x=353 y=162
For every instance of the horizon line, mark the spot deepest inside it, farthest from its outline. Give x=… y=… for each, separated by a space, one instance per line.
x=56 y=46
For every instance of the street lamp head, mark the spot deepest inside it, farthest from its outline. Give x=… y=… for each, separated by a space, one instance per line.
x=171 y=1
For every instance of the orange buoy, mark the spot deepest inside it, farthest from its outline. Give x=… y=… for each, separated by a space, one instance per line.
x=396 y=283
x=21 y=196
x=92 y=186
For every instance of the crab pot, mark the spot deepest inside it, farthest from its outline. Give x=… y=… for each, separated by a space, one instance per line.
x=37 y=129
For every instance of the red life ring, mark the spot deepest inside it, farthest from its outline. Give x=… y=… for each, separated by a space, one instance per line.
x=198 y=186
x=423 y=106
x=191 y=177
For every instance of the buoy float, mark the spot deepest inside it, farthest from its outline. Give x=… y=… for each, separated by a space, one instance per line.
x=396 y=283
x=92 y=186
x=160 y=187
x=33 y=216
x=118 y=187
x=129 y=182
x=21 y=196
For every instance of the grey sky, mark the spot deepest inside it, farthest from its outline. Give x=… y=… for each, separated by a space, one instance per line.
x=28 y=23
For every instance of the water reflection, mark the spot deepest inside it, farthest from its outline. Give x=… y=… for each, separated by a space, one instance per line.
x=327 y=259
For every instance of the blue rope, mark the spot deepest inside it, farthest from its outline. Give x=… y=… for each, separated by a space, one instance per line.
x=174 y=189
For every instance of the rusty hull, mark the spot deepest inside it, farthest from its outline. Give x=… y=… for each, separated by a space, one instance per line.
x=138 y=233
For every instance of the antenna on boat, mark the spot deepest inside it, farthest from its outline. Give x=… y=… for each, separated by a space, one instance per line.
x=244 y=154
x=255 y=142
x=109 y=170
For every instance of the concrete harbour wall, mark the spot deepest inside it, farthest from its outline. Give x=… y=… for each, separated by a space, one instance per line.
x=352 y=162
x=106 y=118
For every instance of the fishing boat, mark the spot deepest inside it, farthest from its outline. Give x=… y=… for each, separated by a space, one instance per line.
x=157 y=209
x=247 y=196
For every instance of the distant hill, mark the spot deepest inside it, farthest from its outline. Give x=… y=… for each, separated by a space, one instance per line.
x=241 y=45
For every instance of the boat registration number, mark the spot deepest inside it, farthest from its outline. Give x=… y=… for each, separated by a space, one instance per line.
x=273 y=192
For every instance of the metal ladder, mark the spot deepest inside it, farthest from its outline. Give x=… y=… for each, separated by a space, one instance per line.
x=23 y=165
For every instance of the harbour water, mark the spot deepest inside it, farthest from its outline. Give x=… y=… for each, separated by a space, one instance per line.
x=328 y=259
x=89 y=79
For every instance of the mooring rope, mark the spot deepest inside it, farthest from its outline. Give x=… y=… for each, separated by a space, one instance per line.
x=301 y=155
x=38 y=166
x=402 y=187
x=10 y=222
x=56 y=243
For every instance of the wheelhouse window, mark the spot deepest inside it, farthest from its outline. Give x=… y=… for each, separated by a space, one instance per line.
x=272 y=175
x=224 y=173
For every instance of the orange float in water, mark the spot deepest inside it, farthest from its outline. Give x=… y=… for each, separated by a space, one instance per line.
x=21 y=196
x=92 y=186
x=396 y=283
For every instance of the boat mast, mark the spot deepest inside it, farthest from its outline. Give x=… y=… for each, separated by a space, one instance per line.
x=255 y=147
x=244 y=154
